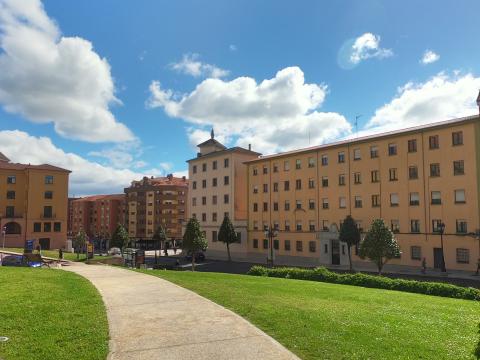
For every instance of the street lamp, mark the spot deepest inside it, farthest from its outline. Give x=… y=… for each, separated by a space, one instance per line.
x=4 y=232
x=441 y=229
x=270 y=233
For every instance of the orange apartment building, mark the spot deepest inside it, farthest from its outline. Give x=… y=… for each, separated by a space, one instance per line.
x=218 y=187
x=98 y=215
x=157 y=201
x=415 y=179
x=33 y=204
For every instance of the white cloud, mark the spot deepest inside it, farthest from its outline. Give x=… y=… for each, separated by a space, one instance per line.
x=49 y=78
x=233 y=47
x=442 y=97
x=367 y=46
x=122 y=155
x=275 y=115
x=191 y=65
x=429 y=57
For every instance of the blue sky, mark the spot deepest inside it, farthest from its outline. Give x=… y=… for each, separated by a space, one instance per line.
x=160 y=74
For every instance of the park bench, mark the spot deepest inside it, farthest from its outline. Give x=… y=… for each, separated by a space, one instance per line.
x=36 y=258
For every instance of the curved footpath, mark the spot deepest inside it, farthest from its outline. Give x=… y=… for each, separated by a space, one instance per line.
x=151 y=318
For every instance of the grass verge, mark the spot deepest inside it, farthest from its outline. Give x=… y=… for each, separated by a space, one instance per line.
x=50 y=314
x=331 y=321
x=66 y=255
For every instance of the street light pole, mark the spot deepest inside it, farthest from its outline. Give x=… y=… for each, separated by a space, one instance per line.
x=4 y=232
x=441 y=227
x=271 y=233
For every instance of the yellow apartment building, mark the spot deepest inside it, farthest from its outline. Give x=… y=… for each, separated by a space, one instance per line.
x=218 y=187
x=415 y=179
x=33 y=204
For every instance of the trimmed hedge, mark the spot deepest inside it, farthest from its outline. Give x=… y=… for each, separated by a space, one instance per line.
x=371 y=281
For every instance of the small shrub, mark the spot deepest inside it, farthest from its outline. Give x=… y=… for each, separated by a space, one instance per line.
x=370 y=281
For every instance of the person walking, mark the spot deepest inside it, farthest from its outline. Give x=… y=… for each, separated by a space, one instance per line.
x=60 y=254
x=424 y=266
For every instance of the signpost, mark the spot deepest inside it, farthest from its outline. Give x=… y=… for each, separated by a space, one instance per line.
x=90 y=250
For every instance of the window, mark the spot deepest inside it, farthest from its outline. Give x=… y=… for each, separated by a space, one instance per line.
x=341 y=179
x=298 y=164
x=373 y=152
x=325 y=226
x=204 y=200
x=414 y=199
x=311 y=225
x=324 y=160
x=325 y=248
x=463 y=256
x=299 y=246
x=312 y=246
x=286 y=185
x=255 y=243
x=311 y=204
x=265 y=170
x=214 y=165
x=194 y=185
x=214 y=200
x=255 y=171
x=298 y=204
x=47 y=227
x=214 y=182
x=395 y=226
x=275 y=167
x=394 y=199
x=298 y=184
x=341 y=157
x=324 y=181
x=47 y=212
x=412 y=172
x=204 y=217
x=287 y=245
x=342 y=203
x=265 y=188
x=37 y=227
x=48 y=195
x=287 y=225
x=434 y=170
x=287 y=205
x=358 y=201
x=226 y=199
x=255 y=225
x=215 y=237
x=265 y=206
x=194 y=202
x=226 y=163
x=357 y=178
x=204 y=183
x=436 y=197
x=393 y=174
x=275 y=187
x=275 y=206
x=324 y=203
x=214 y=216
x=11 y=179
x=286 y=165
x=461 y=226
x=458 y=167
x=375 y=200
x=57 y=226
x=204 y=167
x=415 y=226
x=276 y=244
x=412 y=146
x=392 y=149
x=11 y=195
x=226 y=180
x=311 y=183
x=459 y=196
x=49 y=179
x=375 y=174
x=255 y=207
x=311 y=162
x=356 y=154
x=255 y=189
x=436 y=225
x=416 y=252
x=433 y=142
x=457 y=138
x=194 y=169
x=265 y=243
x=10 y=211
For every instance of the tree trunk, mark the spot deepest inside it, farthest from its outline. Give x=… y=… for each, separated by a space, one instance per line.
x=380 y=266
x=193 y=261
x=350 y=258
x=228 y=252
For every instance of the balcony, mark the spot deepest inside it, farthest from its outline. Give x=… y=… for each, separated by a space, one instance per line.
x=48 y=216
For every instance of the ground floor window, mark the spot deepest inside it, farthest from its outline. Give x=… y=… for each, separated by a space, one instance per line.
x=312 y=246
x=299 y=246
x=276 y=244
x=265 y=243
x=215 y=237
x=463 y=256
x=416 y=252
x=255 y=243
x=287 y=245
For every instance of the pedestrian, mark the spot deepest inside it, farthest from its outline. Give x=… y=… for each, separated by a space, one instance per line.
x=424 y=266
x=478 y=267
x=39 y=249
x=60 y=254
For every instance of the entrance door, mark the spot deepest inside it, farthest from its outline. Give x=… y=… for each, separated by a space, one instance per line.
x=44 y=243
x=437 y=258
x=335 y=252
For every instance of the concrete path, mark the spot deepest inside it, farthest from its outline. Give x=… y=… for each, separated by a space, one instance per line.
x=150 y=318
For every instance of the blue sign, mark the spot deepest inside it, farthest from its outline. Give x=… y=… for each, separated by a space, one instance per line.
x=29 y=245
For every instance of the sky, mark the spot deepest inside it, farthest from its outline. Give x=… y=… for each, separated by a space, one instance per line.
x=116 y=90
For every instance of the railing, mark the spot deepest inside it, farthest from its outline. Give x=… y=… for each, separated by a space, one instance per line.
x=48 y=216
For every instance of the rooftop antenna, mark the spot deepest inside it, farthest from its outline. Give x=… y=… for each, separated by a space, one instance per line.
x=356 y=124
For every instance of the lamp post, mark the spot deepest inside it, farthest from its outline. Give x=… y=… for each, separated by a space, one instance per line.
x=270 y=233
x=4 y=232
x=441 y=229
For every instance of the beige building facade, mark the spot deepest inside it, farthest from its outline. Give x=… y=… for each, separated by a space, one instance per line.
x=414 y=179
x=218 y=188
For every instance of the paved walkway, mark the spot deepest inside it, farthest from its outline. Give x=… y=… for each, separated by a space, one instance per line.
x=150 y=318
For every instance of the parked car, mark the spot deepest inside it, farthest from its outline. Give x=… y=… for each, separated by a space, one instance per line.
x=19 y=260
x=199 y=256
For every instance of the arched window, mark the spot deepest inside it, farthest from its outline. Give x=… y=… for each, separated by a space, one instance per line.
x=13 y=228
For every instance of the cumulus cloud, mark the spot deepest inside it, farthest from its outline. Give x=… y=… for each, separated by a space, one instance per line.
x=429 y=57
x=367 y=46
x=275 y=115
x=442 y=97
x=191 y=65
x=50 y=78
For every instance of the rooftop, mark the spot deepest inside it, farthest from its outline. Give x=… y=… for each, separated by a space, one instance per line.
x=101 y=197
x=159 y=181
x=16 y=166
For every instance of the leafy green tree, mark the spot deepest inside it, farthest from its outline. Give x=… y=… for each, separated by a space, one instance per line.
x=160 y=235
x=193 y=239
x=379 y=245
x=120 y=238
x=227 y=234
x=79 y=242
x=349 y=234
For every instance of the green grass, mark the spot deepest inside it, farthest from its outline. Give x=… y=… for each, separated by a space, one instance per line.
x=50 y=314
x=330 y=321
x=66 y=255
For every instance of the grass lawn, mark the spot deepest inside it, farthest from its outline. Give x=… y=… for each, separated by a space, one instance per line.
x=50 y=314
x=330 y=321
x=66 y=255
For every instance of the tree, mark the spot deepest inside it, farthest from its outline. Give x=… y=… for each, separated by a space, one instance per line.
x=160 y=236
x=120 y=238
x=227 y=234
x=349 y=234
x=193 y=239
x=79 y=242
x=379 y=245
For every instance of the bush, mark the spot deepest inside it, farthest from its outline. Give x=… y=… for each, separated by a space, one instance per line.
x=371 y=281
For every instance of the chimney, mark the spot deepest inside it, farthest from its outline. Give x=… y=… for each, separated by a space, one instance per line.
x=250 y=147
x=478 y=101
x=184 y=178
